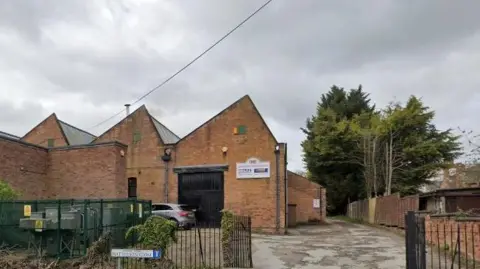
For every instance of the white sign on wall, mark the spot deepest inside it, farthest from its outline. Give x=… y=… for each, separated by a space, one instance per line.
x=316 y=203
x=253 y=168
x=136 y=253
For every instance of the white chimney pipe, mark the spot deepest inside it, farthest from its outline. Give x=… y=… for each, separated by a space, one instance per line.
x=127 y=107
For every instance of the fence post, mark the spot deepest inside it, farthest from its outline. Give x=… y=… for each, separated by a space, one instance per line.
x=410 y=239
x=85 y=227
x=101 y=217
x=250 y=241
x=119 y=263
x=59 y=227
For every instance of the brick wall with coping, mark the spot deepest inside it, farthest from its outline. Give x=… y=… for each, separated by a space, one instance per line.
x=94 y=171
x=446 y=231
x=24 y=167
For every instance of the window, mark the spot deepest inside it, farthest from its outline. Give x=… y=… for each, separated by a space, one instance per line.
x=161 y=207
x=136 y=137
x=132 y=187
x=240 y=130
x=51 y=142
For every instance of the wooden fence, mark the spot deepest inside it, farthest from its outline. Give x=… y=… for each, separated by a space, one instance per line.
x=385 y=210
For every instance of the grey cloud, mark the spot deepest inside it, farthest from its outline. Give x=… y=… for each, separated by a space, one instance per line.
x=19 y=119
x=85 y=59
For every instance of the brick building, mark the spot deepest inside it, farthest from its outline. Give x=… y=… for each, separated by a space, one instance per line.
x=78 y=171
x=232 y=161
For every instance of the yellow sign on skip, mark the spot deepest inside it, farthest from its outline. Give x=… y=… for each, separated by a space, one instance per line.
x=38 y=225
x=27 y=210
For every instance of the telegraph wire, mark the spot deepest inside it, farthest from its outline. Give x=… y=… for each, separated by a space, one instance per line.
x=188 y=64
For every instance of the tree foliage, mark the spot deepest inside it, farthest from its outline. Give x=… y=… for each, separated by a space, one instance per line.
x=7 y=192
x=358 y=151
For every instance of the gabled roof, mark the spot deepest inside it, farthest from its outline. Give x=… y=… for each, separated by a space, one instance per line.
x=7 y=135
x=75 y=136
x=245 y=97
x=167 y=136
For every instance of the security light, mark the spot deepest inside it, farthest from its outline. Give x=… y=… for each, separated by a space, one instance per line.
x=277 y=148
x=166 y=155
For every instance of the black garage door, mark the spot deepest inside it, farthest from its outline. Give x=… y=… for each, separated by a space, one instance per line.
x=204 y=191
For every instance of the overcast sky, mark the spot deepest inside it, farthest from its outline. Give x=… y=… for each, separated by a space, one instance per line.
x=85 y=59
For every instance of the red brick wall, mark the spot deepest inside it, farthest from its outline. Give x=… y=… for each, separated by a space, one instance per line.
x=24 y=167
x=47 y=129
x=144 y=156
x=445 y=231
x=95 y=172
x=302 y=192
x=255 y=197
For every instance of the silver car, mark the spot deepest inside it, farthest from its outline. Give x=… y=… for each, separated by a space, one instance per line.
x=183 y=215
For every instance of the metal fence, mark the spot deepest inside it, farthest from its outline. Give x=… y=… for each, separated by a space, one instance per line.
x=446 y=242
x=66 y=228
x=205 y=246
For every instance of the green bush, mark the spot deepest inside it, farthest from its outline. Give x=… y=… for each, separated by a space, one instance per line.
x=7 y=192
x=228 y=219
x=155 y=233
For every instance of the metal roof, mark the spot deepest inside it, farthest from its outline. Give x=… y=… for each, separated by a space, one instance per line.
x=74 y=135
x=168 y=137
x=7 y=135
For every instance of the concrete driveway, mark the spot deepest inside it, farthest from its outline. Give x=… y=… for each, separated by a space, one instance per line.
x=335 y=245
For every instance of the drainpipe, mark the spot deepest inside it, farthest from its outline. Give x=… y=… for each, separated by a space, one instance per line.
x=286 y=188
x=165 y=183
x=166 y=159
x=277 y=185
x=320 y=203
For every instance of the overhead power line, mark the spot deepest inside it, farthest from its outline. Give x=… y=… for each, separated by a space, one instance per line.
x=188 y=64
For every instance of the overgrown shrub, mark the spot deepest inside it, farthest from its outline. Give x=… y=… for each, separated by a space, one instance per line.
x=155 y=233
x=227 y=225
x=7 y=192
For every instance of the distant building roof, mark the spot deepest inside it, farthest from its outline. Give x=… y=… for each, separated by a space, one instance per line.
x=167 y=136
x=74 y=135
x=7 y=135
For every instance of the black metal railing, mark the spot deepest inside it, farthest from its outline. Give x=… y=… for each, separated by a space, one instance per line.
x=67 y=228
x=204 y=246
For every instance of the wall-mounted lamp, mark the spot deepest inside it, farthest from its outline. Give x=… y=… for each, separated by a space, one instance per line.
x=224 y=151
x=122 y=153
x=277 y=149
x=167 y=155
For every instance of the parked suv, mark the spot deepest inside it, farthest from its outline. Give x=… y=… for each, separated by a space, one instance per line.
x=183 y=215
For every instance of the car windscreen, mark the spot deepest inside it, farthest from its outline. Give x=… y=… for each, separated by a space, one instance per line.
x=187 y=207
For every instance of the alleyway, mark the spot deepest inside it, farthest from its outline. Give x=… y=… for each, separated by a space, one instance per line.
x=337 y=245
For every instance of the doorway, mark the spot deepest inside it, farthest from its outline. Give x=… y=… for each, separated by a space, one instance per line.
x=205 y=191
x=132 y=187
